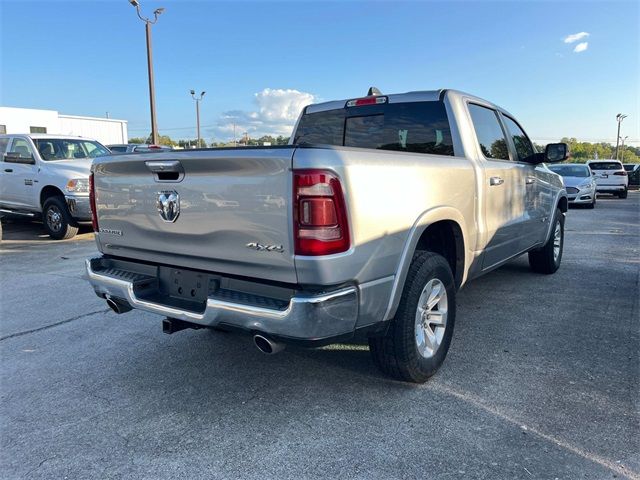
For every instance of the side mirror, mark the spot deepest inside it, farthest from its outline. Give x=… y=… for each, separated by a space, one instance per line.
x=14 y=157
x=556 y=152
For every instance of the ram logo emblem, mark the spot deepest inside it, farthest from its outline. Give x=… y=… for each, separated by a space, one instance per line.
x=168 y=206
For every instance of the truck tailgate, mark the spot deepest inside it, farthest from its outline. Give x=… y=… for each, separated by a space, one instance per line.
x=234 y=210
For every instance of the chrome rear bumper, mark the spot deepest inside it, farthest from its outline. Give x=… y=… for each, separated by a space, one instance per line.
x=306 y=317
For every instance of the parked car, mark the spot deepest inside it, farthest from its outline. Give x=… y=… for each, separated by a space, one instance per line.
x=393 y=202
x=633 y=173
x=579 y=183
x=136 y=148
x=611 y=177
x=47 y=176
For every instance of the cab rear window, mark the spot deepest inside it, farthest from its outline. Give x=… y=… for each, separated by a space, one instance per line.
x=417 y=127
x=605 y=166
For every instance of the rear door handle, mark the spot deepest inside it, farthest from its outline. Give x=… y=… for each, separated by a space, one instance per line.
x=8 y=170
x=493 y=181
x=530 y=180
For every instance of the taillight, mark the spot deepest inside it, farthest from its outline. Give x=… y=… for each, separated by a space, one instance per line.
x=624 y=174
x=92 y=203
x=319 y=213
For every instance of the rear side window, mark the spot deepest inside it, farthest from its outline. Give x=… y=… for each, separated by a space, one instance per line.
x=118 y=149
x=605 y=166
x=418 y=127
x=524 y=148
x=489 y=132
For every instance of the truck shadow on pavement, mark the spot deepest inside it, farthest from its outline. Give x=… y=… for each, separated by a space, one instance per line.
x=30 y=231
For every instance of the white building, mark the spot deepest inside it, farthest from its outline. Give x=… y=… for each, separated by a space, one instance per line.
x=29 y=120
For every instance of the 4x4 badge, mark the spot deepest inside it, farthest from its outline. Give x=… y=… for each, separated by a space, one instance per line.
x=168 y=206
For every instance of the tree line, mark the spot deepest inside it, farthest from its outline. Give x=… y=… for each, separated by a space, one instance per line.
x=580 y=152
x=244 y=141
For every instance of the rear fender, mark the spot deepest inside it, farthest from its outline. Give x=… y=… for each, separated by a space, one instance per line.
x=427 y=218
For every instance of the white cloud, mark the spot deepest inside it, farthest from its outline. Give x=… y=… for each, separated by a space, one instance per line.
x=574 y=37
x=276 y=113
x=581 y=47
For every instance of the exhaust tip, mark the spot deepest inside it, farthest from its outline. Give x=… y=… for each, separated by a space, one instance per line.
x=266 y=345
x=117 y=306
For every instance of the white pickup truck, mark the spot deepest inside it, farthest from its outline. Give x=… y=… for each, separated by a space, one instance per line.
x=47 y=176
x=379 y=211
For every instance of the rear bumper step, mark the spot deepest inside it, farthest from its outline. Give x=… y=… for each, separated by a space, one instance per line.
x=303 y=317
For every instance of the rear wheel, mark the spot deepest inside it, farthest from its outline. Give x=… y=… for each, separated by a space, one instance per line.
x=57 y=219
x=418 y=338
x=547 y=258
x=623 y=194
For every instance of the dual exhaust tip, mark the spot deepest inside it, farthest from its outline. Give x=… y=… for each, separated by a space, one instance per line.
x=118 y=306
x=264 y=344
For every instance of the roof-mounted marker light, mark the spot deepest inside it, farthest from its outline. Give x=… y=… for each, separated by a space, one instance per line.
x=374 y=100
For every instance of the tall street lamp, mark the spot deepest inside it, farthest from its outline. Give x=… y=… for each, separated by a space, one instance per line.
x=623 y=139
x=152 y=95
x=619 y=118
x=198 y=100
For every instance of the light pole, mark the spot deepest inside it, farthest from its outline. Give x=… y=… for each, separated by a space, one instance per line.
x=619 y=118
x=198 y=100
x=152 y=95
x=623 y=139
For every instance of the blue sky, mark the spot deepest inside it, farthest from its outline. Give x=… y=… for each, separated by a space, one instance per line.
x=261 y=61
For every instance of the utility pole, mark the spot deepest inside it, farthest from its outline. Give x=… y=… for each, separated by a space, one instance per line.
x=235 y=144
x=622 y=156
x=198 y=100
x=152 y=94
x=619 y=118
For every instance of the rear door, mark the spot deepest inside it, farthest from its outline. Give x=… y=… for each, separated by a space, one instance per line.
x=503 y=192
x=202 y=210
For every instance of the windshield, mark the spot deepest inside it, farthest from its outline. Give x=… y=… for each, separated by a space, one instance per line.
x=67 y=149
x=571 y=170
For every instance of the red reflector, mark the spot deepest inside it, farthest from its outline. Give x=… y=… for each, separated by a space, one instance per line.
x=319 y=211
x=92 y=203
x=620 y=173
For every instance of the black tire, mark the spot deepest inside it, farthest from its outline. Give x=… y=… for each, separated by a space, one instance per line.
x=623 y=194
x=57 y=220
x=592 y=205
x=396 y=353
x=543 y=260
x=0 y=231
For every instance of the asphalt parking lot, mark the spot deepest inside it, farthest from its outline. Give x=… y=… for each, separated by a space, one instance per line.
x=542 y=379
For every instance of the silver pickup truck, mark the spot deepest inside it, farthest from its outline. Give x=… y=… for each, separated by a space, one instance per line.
x=365 y=226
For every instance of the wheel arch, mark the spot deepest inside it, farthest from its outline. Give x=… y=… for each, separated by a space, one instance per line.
x=440 y=230
x=561 y=203
x=48 y=192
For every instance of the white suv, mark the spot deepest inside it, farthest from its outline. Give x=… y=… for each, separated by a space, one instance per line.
x=48 y=176
x=610 y=176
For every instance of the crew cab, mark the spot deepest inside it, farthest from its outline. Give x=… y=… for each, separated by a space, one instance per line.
x=47 y=176
x=379 y=211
